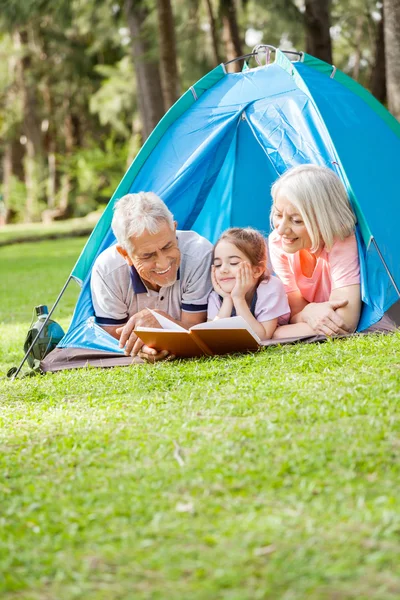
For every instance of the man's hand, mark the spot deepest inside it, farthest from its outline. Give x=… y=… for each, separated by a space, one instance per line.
x=323 y=318
x=151 y=355
x=129 y=340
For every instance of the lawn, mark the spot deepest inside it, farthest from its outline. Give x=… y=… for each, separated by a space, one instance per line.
x=264 y=476
x=27 y=232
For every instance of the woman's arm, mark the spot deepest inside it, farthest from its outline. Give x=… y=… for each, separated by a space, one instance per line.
x=350 y=312
x=338 y=316
x=297 y=303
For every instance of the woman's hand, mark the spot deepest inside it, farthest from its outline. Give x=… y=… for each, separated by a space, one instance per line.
x=244 y=281
x=323 y=318
x=216 y=286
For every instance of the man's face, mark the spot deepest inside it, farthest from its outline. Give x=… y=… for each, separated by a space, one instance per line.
x=156 y=257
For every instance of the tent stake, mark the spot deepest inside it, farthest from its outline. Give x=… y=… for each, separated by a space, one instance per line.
x=15 y=375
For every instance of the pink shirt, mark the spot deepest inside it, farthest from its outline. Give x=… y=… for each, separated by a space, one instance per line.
x=272 y=302
x=335 y=269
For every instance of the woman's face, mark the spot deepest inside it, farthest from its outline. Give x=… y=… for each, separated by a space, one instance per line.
x=290 y=226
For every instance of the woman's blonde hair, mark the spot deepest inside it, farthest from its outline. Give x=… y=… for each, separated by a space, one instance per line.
x=322 y=202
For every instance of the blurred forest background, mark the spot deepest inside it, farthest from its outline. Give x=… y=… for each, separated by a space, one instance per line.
x=83 y=82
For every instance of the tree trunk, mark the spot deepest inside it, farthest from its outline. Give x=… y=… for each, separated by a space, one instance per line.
x=357 y=42
x=317 y=23
x=64 y=204
x=378 y=76
x=64 y=208
x=33 y=165
x=7 y=174
x=230 y=33
x=30 y=181
x=50 y=148
x=213 y=31
x=29 y=91
x=392 y=51
x=150 y=97
x=168 y=61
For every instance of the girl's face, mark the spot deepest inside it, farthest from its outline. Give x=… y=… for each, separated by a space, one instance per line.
x=227 y=258
x=290 y=226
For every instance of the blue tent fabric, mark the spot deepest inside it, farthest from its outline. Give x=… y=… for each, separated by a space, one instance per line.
x=215 y=155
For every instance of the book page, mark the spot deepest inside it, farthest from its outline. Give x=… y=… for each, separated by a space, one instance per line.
x=229 y=323
x=164 y=322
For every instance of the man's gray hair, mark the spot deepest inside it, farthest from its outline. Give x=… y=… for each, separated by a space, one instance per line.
x=322 y=201
x=136 y=213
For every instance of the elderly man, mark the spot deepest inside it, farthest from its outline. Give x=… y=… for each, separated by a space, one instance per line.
x=152 y=266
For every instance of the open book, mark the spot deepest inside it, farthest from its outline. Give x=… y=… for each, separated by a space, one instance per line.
x=207 y=339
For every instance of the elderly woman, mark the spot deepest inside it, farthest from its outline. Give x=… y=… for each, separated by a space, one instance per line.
x=313 y=250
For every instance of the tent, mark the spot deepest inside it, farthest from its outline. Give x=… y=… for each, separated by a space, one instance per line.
x=215 y=154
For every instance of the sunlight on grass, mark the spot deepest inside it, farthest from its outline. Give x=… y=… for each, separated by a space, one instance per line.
x=268 y=475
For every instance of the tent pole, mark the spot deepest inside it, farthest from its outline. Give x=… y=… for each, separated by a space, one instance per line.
x=385 y=265
x=15 y=375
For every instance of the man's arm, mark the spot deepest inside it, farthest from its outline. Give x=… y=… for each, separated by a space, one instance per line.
x=112 y=330
x=188 y=319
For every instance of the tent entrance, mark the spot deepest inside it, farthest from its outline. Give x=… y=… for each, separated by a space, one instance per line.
x=240 y=195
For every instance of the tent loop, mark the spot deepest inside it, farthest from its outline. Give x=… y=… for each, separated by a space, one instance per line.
x=263 y=50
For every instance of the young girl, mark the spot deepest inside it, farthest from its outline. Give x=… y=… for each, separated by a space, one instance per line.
x=242 y=285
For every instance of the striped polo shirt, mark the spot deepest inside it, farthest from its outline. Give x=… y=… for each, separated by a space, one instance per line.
x=118 y=292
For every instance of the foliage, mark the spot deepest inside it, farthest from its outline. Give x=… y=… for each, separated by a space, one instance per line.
x=354 y=33
x=96 y=171
x=272 y=475
x=67 y=73
x=114 y=101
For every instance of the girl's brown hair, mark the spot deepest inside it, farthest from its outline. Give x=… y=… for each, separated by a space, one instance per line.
x=249 y=241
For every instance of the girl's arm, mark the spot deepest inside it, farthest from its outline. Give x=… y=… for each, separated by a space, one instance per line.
x=293 y=330
x=264 y=330
x=244 y=283
x=226 y=308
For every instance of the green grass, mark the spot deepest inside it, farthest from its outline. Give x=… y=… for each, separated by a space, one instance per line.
x=273 y=475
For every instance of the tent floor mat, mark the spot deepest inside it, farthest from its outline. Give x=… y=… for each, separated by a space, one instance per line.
x=62 y=359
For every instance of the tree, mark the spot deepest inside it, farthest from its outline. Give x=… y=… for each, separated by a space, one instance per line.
x=149 y=90
x=317 y=24
x=391 y=9
x=230 y=32
x=213 y=31
x=168 y=60
x=377 y=83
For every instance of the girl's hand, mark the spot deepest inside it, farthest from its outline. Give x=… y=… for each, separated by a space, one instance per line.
x=244 y=281
x=217 y=288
